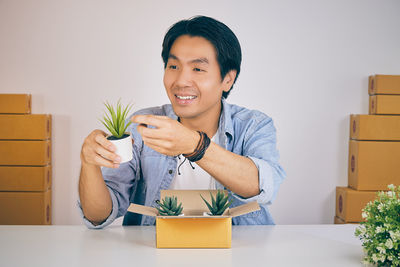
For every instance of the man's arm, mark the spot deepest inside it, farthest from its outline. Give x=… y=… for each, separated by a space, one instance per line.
x=237 y=173
x=94 y=195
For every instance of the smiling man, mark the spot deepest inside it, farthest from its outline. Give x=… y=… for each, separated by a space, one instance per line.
x=199 y=141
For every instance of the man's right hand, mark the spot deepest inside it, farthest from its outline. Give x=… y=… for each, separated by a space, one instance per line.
x=98 y=151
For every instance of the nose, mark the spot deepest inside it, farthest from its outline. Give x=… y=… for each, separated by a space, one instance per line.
x=183 y=78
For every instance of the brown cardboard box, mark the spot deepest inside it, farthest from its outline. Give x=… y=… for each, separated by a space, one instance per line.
x=23 y=178
x=25 y=127
x=375 y=127
x=384 y=84
x=350 y=202
x=384 y=105
x=338 y=220
x=25 y=207
x=25 y=153
x=373 y=165
x=193 y=229
x=15 y=103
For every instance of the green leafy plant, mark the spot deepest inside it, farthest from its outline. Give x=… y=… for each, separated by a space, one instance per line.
x=169 y=206
x=218 y=204
x=115 y=119
x=380 y=233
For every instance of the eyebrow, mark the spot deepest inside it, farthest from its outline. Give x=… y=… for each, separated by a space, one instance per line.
x=202 y=60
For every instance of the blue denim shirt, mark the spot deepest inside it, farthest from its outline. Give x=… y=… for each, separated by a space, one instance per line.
x=245 y=132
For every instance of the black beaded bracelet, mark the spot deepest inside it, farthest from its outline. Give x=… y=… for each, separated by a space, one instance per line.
x=201 y=148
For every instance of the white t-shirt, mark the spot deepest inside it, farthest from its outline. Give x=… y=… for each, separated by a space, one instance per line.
x=188 y=178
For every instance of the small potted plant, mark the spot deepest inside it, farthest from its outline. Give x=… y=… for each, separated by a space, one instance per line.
x=169 y=206
x=218 y=204
x=115 y=122
x=380 y=232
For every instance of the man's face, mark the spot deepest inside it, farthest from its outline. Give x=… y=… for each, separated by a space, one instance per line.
x=192 y=78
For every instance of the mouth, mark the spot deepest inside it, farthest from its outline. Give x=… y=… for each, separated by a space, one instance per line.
x=185 y=99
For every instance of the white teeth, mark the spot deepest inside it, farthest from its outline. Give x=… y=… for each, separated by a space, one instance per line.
x=186 y=97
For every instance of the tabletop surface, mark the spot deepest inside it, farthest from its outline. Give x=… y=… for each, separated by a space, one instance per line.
x=280 y=245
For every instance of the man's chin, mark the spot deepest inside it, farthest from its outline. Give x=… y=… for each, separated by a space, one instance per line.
x=184 y=114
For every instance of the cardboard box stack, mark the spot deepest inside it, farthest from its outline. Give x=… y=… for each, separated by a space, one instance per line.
x=374 y=149
x=25 y=162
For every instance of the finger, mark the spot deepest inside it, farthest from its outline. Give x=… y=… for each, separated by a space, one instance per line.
x=102 y=140
x=157 y=143
x=153 y=120
x=151 y=132
x=161 y=149
x=107 y=154
x=99 y=160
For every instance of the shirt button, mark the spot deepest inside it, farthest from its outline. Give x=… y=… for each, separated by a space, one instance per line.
x=170 y=171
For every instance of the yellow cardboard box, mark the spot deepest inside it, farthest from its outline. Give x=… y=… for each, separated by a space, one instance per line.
x=193 y=229
x=350 y=202
x=25 y=127
x=25 y=153
x=15 y=103
x=384 y=84
x=25 y=178
x=384 y=105
x=373 y=165
x=375 y=127
x=25 y=208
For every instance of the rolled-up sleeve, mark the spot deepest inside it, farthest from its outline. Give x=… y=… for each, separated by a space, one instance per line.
x=110 y=218
x=259 y=145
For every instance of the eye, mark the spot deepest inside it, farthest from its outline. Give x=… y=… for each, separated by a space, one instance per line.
x=197 y=69
x=172 y=67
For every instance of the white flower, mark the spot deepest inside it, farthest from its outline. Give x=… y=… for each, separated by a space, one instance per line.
x=390 y=257
x=390 y=193
x=379 y=229
x=364 y=215
x=374 y=257
x=395 y=235
x=363 y=231
x=382 y=257
x=391 y=187
x=389 y=243
x=380 y=207
x=381 y=250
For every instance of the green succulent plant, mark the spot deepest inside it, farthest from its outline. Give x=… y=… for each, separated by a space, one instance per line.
x=169 y=206
x=115 y=119
x=218 y=204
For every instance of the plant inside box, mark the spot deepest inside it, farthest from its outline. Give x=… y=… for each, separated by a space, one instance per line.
x=168 y=206
x=380 y=233
x=115 y=122
x=218 y=204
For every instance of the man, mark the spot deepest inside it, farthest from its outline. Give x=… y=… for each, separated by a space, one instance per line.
x=172 y=147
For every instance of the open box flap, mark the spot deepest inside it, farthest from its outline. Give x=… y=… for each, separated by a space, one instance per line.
x=193 y=205
x=243 y=209
x=150 y=211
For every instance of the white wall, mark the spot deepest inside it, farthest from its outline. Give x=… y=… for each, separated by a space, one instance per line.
x=305 y=63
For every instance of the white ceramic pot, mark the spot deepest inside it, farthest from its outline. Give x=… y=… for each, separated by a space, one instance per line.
x=124 y=148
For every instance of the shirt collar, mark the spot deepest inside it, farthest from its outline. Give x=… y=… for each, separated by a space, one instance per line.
x=225 y=121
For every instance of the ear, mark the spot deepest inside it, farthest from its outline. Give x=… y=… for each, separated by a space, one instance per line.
x=228 y=80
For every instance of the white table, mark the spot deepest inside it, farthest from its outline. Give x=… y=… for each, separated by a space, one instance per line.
x=281 y=245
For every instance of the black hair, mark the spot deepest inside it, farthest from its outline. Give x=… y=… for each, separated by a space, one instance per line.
x=225 y=42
